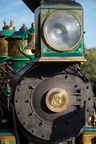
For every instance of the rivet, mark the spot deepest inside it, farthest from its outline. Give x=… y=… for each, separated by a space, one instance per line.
x=17 y=101
x=31 y=114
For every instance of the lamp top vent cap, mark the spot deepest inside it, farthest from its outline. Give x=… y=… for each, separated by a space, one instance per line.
x=32 y=5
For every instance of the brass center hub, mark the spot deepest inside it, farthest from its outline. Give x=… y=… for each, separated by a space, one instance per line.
x=57 y=100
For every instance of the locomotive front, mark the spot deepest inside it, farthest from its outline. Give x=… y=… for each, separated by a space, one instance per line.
x=52 y=96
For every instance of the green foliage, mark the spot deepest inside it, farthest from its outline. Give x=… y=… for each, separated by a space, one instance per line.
x=90 y=66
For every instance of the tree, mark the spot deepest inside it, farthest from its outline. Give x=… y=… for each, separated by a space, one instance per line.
x=90 y=66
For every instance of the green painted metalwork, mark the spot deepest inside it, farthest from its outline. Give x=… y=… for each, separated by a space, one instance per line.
x=90 y=129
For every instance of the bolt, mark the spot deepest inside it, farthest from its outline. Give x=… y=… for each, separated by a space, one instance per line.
x=43 y=136
x=30 y=87
x=24 y=123
x=89 y=98
x=33 y=131
x=31 y=114
x=40 y=124
x=18 y=89
x=75 y=86
x=79 y=91
x=27 y=101
x=87 y=87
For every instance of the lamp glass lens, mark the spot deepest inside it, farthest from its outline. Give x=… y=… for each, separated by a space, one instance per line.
x=62 y=31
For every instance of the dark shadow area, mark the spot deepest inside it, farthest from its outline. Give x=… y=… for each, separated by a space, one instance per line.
x=93 y=140
x=68 y=126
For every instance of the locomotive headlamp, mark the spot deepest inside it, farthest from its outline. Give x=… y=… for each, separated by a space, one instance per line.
x=61 y=31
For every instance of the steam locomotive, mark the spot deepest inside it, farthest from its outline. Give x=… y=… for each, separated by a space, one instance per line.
x=50 y=98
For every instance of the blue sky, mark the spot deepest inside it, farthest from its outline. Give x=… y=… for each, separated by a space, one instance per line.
x=20 y=13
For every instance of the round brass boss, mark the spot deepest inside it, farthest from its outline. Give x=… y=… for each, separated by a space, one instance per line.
x=57 y=100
